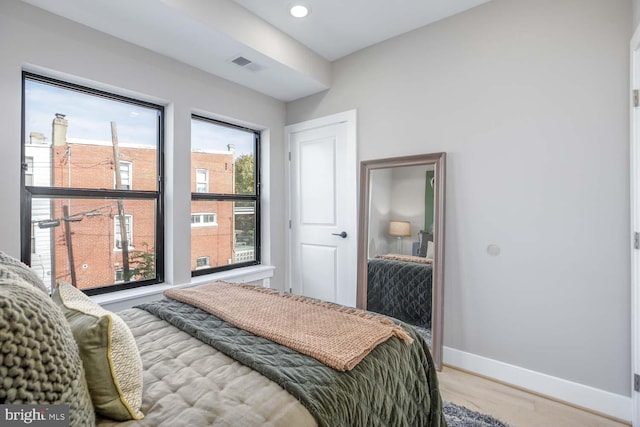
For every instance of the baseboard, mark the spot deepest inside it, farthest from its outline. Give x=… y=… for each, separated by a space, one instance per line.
x=591 y=398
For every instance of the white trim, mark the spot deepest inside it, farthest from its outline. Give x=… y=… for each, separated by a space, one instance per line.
x=115 y=278
x=611 y=404
x=203 y=223
x=634 y=177
x=29 y=161
x=207 y=263
x=116 y=231
x=127 y=298
x=205 y=182
x=129 y=183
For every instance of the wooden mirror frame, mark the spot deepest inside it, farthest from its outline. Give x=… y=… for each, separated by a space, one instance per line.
x=438 y=161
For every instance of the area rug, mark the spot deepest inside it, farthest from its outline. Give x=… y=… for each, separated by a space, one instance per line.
x=459 y=416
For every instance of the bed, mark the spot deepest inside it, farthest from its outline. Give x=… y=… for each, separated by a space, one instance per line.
x=200 y=370
x=401 y=287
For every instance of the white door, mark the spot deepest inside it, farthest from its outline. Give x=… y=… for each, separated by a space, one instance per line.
x=635 y=225
x=323 y=205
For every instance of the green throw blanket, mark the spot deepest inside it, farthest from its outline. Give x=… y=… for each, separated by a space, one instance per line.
x=395 y=385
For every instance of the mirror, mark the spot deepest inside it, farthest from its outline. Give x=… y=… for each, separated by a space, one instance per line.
x=395 y=196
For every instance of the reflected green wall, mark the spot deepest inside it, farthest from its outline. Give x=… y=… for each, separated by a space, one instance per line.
x=428 y=201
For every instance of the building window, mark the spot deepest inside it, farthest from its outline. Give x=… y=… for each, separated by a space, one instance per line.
x=203 y=219
x=230 y=156
x=202 y=181
x=203 y=262
x=33 y=238
x=75 y=206
x=28 y=173
x=118 y=231
x=125 y=176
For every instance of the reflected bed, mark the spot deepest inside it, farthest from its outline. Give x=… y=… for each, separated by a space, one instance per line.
x=401 y=287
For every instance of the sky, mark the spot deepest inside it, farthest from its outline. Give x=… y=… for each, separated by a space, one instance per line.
x=90 y=117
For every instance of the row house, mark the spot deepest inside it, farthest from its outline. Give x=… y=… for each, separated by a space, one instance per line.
x=89 y=231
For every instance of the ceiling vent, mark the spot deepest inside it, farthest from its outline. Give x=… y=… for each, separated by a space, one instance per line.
x=243 y=62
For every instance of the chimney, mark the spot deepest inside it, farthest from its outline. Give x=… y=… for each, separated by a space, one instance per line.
x=59 y=135
x=36 y=138
x=231 y=148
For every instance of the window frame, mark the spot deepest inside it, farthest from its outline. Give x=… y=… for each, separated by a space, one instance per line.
x=33 y=238
x=118 y=271
x=206 y=265
x=128 y=219
x=202 y=222
x=255 y=197
x=129 y=166
x=157 y=196
x=28 y=169
x=205 y=182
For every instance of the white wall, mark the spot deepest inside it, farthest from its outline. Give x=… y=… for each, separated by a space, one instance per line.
x=407 y=202
x=379 y=211
x=37 y=40
x=529 y=100
x=635 y=12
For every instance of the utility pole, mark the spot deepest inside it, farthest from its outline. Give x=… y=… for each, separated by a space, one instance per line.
x=124 y=238
x=67 y=236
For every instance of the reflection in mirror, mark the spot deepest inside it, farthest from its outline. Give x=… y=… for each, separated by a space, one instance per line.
x=401 y=248
x=400 y=206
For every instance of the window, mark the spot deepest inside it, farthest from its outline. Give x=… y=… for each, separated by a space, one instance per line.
x=204 y=219
x=202 y=262
x=28 y=173
x=202 y=181
x=74 y=205
x=225 y=157
x=125 y=176
x=33 y=238
x=118 y=231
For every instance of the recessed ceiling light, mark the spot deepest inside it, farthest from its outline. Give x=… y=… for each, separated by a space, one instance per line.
x=299 y=11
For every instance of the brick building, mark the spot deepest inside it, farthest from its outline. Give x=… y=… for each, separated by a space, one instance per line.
x=212 y=222
x=91 y=227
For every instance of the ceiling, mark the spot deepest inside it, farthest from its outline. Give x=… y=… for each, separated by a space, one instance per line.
x=290 y=58
x=336 y=28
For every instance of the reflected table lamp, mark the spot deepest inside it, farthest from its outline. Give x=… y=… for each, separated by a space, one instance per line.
x=399 y=229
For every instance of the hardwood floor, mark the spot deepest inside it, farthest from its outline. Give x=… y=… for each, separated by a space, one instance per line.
x=514 y=406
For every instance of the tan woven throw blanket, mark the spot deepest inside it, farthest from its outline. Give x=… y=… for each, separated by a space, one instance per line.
x=339 y=337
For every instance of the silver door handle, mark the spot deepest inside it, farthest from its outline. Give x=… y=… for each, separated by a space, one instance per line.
x=343 y=234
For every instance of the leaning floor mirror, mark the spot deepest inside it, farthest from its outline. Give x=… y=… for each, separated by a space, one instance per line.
x=401 y=244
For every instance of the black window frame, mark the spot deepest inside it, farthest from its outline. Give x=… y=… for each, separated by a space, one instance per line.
x=29 y=192
x=255 y=197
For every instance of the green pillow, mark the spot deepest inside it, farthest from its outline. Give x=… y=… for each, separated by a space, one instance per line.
x=39 y=359
x=109 y=353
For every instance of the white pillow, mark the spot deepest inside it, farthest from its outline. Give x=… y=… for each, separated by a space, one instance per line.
x=431 y=249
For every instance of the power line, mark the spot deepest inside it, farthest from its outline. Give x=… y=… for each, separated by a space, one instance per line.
x=76 y=217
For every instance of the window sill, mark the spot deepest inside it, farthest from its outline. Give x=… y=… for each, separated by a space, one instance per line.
x=120 y=300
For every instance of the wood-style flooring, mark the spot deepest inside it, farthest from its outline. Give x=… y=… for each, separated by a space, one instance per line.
x=514 y=406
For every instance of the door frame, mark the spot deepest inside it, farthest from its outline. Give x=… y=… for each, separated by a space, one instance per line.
x=634 y=187
x=349 y=117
